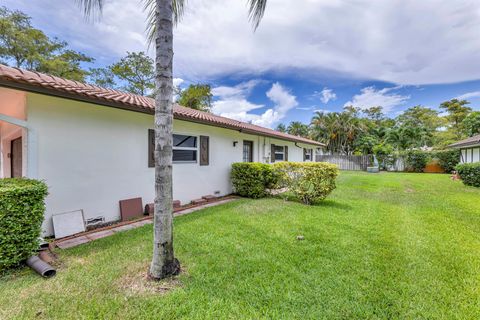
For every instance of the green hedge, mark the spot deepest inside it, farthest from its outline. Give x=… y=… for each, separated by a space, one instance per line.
x=416 y=160
x=308 y=181
x=22 y=207
x=470 y=173
x=447 y=159
x=252 y=179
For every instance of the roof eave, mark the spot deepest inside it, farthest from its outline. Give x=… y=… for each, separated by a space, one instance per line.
x=15 y=84
x=71 y=96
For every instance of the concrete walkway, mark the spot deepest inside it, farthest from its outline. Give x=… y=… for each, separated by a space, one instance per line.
x=94 y=235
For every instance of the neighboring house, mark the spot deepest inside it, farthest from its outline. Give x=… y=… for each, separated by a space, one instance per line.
x=94 y=146
x=469 y=149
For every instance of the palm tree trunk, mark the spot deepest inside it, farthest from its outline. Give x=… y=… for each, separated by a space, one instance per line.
x=163 y=263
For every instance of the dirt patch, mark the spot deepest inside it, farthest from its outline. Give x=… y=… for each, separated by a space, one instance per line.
x=136 y=282
x=409 y=190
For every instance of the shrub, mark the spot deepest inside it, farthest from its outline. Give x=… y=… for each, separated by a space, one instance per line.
x=22 y=209
x=310 y=182
x=252 y=179
x=384 y=153
x=416 y=160
x=470 y=173
x=447 y=159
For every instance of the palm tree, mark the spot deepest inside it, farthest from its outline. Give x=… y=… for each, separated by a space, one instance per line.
x=297 y=129
x=162 y=15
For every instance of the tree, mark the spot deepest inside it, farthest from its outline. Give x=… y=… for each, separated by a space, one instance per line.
x=471 y=124
x=457 y=112
x=162 y=14
x=298 y=129
x=338 y=130
x=102 y=77
x=134 y=73
x=25 y=47
x=137 y=72
x=196 y=96
x=281 y=128
x=374 y=113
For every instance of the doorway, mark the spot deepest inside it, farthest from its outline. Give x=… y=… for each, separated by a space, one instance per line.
x=247 y=151
x=16 y=158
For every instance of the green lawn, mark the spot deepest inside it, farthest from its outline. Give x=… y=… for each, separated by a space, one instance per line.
x=386 y=246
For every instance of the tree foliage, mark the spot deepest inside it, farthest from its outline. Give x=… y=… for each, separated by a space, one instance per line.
x=196 y=96
x=24 y=46
x=457 y=111
x=134 y=73
x=297 y=128
x=471 y=124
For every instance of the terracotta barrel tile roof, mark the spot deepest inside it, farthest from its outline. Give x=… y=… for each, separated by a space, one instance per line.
x=472 y=141
x=51 y=85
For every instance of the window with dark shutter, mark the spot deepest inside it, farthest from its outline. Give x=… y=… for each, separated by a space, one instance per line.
x=307 y=154
x=280 y=153
x=184 y=148
x=151 y=148
x=204 y=150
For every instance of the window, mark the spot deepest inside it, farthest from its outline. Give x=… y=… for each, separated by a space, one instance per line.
x=279 y=153
x=308 y=154
x=184 y=148
x=247 y=151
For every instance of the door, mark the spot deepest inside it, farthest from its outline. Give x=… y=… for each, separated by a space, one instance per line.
x=247 y=151
x=16 y=158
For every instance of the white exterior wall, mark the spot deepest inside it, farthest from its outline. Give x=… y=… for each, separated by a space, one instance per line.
x=12 y=104
x=92 y=156
x=470 y=155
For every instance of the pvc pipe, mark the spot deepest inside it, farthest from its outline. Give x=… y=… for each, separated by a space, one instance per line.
x=41 y=267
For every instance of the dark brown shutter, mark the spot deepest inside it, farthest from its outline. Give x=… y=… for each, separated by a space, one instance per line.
x=304 y=154
x=286 y=153
x=204 y=151
x=151 y=148
x=272 y=153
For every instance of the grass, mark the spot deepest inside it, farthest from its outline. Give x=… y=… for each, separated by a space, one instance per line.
x=386 y=246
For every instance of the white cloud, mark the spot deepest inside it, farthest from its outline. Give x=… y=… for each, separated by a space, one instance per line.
x=233 y=103
x=322 y=110
x=177 y=81
x=371 y=97
x=468 y=95
x=373 y=39
x=326 y=95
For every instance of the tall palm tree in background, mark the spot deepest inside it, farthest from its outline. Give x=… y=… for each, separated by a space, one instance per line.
x=298 y=129
x=161 y=17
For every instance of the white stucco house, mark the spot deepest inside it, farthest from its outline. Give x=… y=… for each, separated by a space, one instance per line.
x=94 y=146
x=469 y=149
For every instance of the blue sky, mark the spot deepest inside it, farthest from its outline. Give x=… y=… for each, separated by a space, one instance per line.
x=307 y=55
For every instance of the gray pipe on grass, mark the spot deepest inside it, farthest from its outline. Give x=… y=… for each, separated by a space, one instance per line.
x=41 y=267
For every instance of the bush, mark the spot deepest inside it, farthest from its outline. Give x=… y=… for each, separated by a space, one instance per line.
x=416 y=160
x=22 y=210
x=384 y=154
x=252 y=179
x=310 y=182
x=447 y=159
x=470 y=173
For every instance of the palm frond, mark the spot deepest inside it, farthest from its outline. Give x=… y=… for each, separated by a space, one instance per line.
x=91 y=8
x=256 y=10
x=178 y=7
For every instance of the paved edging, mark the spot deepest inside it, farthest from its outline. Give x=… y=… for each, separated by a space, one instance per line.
x=94 y=235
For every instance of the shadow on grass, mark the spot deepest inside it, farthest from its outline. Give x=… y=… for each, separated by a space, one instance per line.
x=323 y=203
